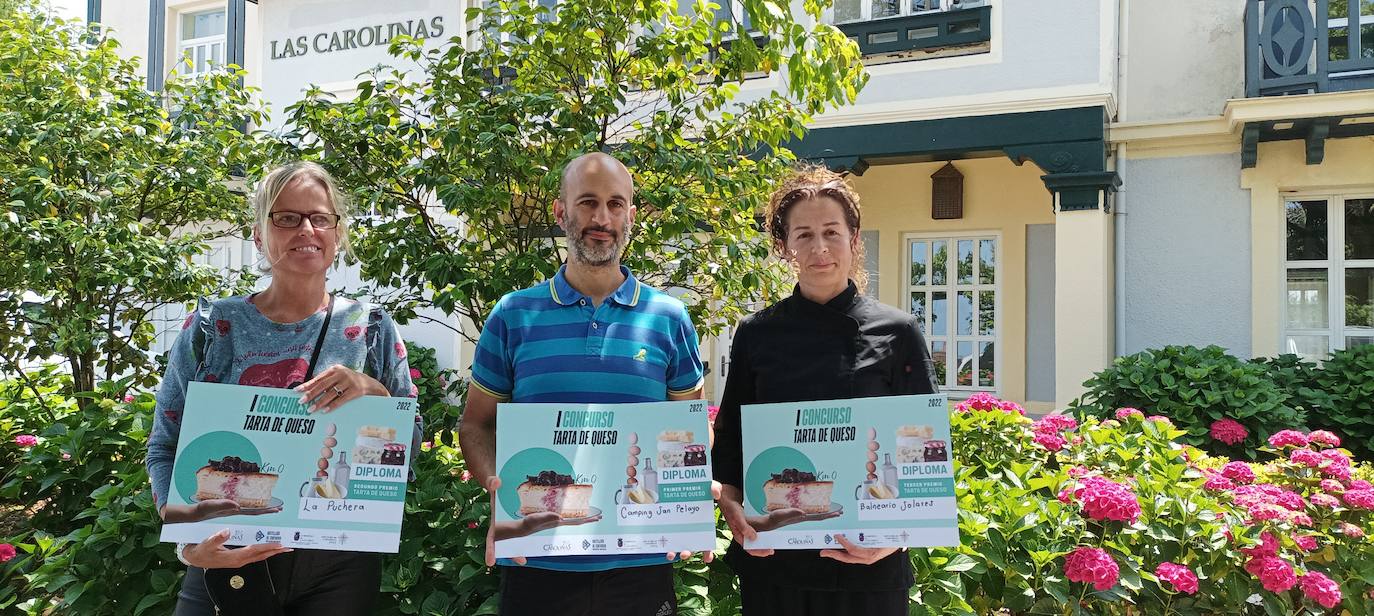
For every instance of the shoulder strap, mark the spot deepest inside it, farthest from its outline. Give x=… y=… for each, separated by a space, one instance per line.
x=319 y=342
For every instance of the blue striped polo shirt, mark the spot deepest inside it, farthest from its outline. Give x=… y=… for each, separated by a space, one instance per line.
x=548 y=343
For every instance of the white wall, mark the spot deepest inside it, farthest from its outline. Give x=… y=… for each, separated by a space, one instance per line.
x=313 y=24
x=1184 y=58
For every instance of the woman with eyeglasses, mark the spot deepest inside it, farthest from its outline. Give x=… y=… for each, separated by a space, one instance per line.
x=827 y=341
x=294 y=334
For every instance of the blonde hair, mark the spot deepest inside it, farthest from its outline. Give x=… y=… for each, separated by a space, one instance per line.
x=811 y=181
x=271 y=187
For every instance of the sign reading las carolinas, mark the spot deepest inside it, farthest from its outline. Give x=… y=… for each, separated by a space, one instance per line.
x=356 y=38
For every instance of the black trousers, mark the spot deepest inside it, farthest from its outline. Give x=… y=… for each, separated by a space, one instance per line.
x=308 y=582
x=632 y=591
x=761 y=598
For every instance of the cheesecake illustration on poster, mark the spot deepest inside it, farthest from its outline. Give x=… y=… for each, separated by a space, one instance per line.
x=603 y=479
x=328 y=481
x=876 y=471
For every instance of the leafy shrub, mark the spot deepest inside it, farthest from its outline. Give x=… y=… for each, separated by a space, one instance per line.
x=88 y=529
x=1348 y=378
x=1194 y=388
x=1159 y=515
x=1298 y=379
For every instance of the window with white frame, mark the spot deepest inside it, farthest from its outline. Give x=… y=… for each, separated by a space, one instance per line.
x=1346 y=19
x=846 y=11
x=201 y=41
x=1329 y=274
x=953 y=292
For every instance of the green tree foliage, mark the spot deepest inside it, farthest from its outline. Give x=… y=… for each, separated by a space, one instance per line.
x=476 y=135
x=109 y=191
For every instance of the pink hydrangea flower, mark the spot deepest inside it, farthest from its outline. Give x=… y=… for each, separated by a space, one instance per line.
x=1091 y=566
x=1301 y=519
x=1360 y=484
x=1332 y=486
x=1161 y=419
x=1050 y=441
x=1228 y=431
x=1123 y=413
x=1323 y=437
x=1305 y=457
x=1288 y=438
x=1336 y=464
x=1350 y=530
x=1264 y=512
x=1079 y=471
x=1324 y=500
x=1268 y=546
x=6 y=552
x=472 y=525
x=466 y=475
x=26 y=440
x=1308 y=543
x=1104 y=499
x=1238 y=472
x=1360 y=499
x=1077 y=439
x=1215 y=481
x=1273 y=572
x=711 y=412
x=1055 y=423
x=128 y=398
x=414 y=373
x=1181 y=578
x=1320 y=589
x=1065 y=496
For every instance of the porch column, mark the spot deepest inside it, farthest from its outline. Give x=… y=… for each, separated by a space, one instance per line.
x=1084 y=280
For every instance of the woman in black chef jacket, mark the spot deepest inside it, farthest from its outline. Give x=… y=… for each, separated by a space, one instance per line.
x=825 y=342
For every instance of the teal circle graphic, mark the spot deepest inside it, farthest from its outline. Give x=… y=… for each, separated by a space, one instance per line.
x=522 y=464
x=762 y=467
x=206 y=447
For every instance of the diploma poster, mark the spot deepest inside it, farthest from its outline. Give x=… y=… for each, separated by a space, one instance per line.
x=876 y=470
x=603 y=479
x=322 y=481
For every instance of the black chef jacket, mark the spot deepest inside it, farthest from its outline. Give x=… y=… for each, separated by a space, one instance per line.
x=797 y=350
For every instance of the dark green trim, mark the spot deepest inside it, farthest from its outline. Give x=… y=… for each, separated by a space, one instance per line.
x=1316 y=141
x=1065 y=143
x=952 y=28
x=1080 y=191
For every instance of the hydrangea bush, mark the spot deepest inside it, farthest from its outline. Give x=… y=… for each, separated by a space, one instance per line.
x=1117 y=516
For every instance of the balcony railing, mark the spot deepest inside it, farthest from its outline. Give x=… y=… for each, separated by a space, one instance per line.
x=921 y=31
x=1292 y=49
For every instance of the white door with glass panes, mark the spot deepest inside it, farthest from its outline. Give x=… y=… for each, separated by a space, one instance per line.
x=953 y=290
x=1328 y=302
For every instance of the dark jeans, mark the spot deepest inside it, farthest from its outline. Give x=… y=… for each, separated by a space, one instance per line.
x=308 y=582
x=632 y=591
x=760 y=598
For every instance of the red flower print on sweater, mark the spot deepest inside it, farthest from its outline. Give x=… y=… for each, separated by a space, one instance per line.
x=187 y=323
x=285 y=373
x=400 y=350
x=353 y=331
x=222 y=326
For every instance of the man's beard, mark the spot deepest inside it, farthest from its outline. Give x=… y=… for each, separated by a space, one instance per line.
x=597 y=254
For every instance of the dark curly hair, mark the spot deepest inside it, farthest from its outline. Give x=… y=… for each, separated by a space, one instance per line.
x=813 y=181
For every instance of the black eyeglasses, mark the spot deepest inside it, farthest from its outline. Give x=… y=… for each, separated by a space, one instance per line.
x=290 y=220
